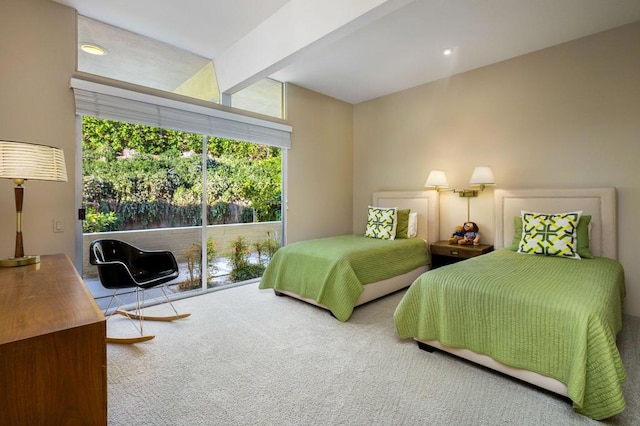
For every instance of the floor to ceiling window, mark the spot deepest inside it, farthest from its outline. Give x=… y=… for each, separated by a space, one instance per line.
x=159 y=172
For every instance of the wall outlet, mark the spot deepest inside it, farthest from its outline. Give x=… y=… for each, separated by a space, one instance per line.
x=58 y=225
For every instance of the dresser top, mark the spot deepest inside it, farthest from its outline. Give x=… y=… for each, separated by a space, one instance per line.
x=44 y=298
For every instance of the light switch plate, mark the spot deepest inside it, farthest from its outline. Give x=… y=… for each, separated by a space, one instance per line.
x=58 y=225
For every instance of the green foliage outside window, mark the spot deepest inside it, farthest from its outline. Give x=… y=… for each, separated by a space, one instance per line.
x=151 y=177
x=96 y=221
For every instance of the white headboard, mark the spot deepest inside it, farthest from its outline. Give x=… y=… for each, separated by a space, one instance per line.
x=600 y=203
x=425 y=203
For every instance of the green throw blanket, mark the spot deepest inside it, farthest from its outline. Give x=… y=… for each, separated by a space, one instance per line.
x=557 y=317
x=332 y=271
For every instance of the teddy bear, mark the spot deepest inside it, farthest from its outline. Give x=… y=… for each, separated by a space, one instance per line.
x=457 y=235
x=471 y=235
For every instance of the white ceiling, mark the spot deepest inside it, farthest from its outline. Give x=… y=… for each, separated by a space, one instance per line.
x=356 y=50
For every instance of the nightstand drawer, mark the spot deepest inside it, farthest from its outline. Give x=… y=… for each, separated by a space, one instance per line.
x=452 y=251
x=443 y=253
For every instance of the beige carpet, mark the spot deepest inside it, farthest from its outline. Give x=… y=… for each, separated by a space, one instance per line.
x=247 y=357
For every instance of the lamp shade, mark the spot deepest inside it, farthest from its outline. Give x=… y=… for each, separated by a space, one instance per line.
x=482 y=175
x=28 y=161
x=437 y=178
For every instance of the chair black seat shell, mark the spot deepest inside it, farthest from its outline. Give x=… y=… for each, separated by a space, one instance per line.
x=122 y=265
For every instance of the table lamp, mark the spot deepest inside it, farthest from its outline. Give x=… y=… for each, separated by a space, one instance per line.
x=22 y=161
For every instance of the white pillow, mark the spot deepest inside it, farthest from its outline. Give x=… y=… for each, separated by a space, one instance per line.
x=413 y=225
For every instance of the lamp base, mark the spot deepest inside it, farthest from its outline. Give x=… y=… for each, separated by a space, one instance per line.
x=19 y=261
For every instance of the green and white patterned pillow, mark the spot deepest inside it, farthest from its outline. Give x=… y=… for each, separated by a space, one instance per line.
x=584 y=235
x=382 y=222
x=550 y=234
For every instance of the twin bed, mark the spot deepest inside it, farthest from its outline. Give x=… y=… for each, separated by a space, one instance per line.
x=550 y=320
x=340 y=273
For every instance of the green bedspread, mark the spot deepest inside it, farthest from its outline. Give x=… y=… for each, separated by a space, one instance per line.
x=332 y=271
x=557 y=317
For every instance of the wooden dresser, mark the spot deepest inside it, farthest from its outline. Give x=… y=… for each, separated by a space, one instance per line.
x=53 y=352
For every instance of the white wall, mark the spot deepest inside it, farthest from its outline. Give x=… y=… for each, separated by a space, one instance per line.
x=319 y=191
x=567 y=116
x=37 y=57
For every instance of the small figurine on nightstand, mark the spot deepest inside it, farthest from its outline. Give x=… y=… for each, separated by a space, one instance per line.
x=471 y=235
x=457 y=235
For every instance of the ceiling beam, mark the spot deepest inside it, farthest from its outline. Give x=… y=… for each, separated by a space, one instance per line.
x=297 y=28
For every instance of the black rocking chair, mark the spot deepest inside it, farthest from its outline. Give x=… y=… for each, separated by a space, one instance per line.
x=122 y=265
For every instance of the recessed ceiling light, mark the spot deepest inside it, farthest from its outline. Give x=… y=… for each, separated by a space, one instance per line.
x=93 y=49
x=447 y=52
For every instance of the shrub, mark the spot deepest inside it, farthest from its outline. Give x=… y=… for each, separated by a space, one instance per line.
x=96 y=221
x=239 y=253
x=261 y=248
x=193 y=256
x=267 y=248
x=246 y=272
x=271 y=245
x=241 y=269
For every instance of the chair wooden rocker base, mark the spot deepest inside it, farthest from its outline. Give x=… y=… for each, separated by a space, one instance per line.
x=133 y=315
x=129 y=340
x=137 y=316
x=121 y=265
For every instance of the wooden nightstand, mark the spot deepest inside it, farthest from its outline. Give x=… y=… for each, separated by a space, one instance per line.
x=443 y=253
